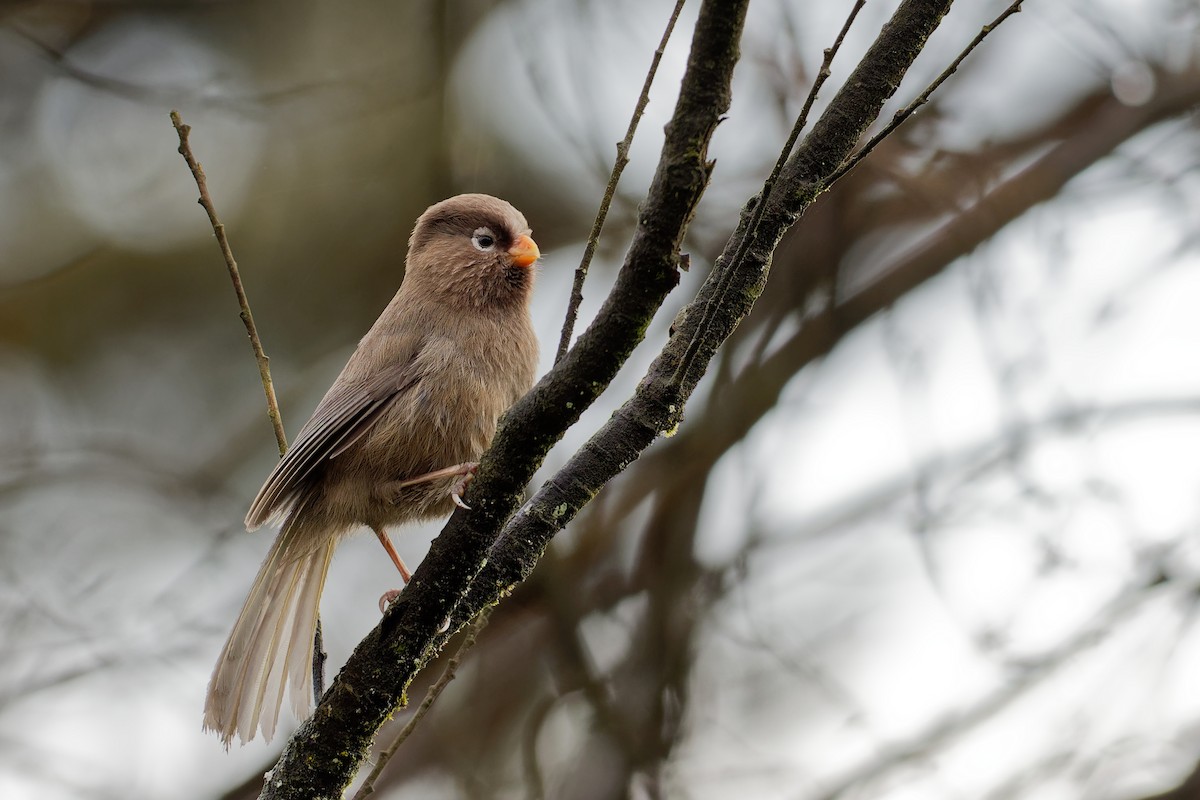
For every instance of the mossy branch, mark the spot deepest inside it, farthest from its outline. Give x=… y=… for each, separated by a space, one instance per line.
x=482 y=553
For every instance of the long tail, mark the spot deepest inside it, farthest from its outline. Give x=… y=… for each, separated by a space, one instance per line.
x=269 y=651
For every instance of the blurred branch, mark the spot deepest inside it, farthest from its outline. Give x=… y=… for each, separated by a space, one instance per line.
x=614 y=177
x=534 y=782
x=566 y=615
x=1111 y=125
x=1033 y=674
x=153 y=92
x=264 y=363
x=973 y=462
x=1188 y=789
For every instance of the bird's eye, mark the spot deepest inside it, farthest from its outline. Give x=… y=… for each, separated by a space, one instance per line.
x=483 y=239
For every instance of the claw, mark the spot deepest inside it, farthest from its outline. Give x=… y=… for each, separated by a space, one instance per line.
x=464 y=480
x=387 y=598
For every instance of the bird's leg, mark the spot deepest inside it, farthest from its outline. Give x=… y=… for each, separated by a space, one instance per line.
x=464 y=472
x=405 y=575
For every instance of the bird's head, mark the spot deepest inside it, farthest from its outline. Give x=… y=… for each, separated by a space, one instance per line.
x=473 y=249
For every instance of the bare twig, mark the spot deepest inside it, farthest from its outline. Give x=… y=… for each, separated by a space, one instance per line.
x=264 y=365
x=610 y=191
x=910 y=109
x=823 y=74
x=435 y=691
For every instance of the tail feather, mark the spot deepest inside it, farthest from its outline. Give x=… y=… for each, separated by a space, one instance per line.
x=269 y=652
x=291 y=669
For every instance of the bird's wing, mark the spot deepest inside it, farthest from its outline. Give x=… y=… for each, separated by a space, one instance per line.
x=344 y=416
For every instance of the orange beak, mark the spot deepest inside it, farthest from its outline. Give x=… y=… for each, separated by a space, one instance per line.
x=524 y=251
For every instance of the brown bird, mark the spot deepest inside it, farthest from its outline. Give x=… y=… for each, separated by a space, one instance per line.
x=394 y=440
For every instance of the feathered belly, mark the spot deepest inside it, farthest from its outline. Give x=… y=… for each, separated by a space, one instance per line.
x=422 y=433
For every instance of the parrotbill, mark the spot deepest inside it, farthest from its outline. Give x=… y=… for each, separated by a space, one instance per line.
x=394 y=440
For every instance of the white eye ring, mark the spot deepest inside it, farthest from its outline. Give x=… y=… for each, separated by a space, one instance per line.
x=484 y=239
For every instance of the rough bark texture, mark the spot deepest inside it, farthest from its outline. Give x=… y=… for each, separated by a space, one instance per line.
x=723 y=301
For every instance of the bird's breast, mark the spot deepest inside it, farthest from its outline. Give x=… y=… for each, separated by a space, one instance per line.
x=449 y=415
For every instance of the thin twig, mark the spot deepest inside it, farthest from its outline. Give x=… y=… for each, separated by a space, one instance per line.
x=823 y=74
x=610 y=191
x=435 y=691
x=264 y=363
x=264 y=366
x=906 y=112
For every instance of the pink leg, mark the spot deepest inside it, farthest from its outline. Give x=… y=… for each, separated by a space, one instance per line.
x=405 y=575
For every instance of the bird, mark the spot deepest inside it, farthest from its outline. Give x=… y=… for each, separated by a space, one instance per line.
x=396 y=439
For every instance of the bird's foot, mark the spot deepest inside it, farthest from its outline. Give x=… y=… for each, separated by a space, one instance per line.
x=462 y=472
x=405 y=575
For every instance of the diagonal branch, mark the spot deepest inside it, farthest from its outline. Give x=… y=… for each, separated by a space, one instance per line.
x=728 y=294
x=323 y=756
x=264 y=363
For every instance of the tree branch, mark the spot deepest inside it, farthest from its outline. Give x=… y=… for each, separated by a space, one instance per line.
x=728 y=293
x=435 y=691
x=456 y=580
x=264 y=363
x=325 y=752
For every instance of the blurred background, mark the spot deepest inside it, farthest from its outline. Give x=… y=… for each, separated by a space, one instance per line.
x=929 y=529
